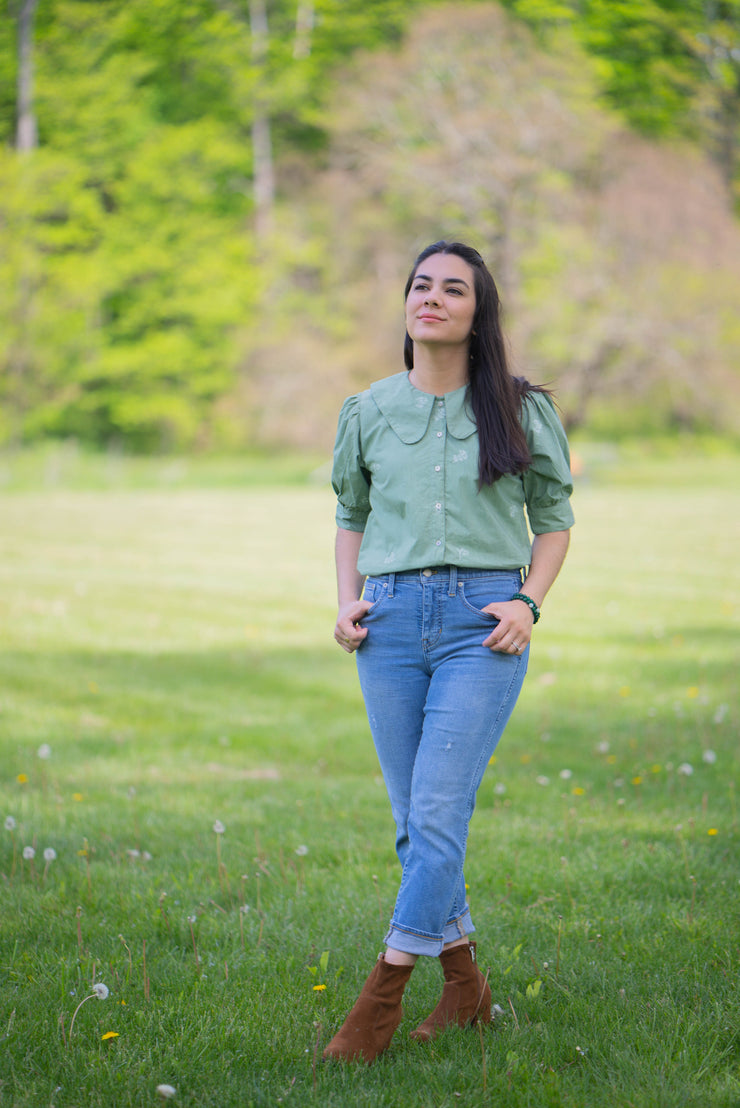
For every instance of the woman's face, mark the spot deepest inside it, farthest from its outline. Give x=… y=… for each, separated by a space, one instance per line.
x=441 y=302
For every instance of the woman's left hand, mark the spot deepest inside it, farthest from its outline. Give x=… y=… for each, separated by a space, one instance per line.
x=514 y=629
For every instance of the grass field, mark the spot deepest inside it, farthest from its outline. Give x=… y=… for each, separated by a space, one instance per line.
x=167 y=665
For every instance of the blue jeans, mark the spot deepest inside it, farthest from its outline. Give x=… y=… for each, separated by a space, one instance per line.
x=437 y=702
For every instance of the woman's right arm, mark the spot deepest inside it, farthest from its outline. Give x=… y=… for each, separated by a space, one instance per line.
x=349 y=589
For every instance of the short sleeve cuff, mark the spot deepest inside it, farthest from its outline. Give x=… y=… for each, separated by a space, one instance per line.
x=351 y=519
x=555 y=517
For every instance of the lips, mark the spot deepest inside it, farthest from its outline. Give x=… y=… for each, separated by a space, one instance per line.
x=428 y=315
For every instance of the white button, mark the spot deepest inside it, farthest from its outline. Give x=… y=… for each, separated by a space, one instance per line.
x=438 y=507
x=439 y=434
x=437 y=469
x=427 y=572
x=438 y=542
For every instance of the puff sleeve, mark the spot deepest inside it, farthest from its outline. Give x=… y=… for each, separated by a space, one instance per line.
x=350 y=480
x=547 y=482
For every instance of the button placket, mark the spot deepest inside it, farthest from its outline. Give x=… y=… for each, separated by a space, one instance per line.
x=439 y=499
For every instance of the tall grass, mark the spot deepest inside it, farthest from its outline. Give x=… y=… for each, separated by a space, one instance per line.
x=167 y=667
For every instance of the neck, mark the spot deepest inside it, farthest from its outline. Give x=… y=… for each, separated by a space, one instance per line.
x=438 y=370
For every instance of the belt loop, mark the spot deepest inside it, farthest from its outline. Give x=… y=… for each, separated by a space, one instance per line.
x=391 y=584
x=453 y=581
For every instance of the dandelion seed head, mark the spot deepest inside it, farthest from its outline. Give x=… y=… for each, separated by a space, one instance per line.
x=566 y=774
x=499 y=788
x=219 y=827
x=542 y=780
x=301 y=851
x=50 y=854
x=720 y=714
x=101 y=991
x=192 y=919
x=603 y=747
x=10 y=823
x=166 y=1091
x=29 y=853
x=685 y=769
x=44 y=752
x=709 y=757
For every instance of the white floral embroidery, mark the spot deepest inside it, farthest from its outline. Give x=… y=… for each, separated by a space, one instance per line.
x=461 y=456
x=462 y=552
x=536 y=425
x=390 y=558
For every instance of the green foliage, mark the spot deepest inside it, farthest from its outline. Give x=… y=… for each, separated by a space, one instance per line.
x=142 y=303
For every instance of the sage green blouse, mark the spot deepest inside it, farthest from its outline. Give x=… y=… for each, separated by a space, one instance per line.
x=406 y=474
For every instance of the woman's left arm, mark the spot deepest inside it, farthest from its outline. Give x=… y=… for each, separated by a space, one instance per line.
x=514 y=630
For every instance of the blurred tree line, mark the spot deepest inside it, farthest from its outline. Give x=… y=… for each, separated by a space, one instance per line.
x=207 y=207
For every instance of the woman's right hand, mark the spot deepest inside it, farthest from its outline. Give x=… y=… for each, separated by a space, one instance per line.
x=347 y=631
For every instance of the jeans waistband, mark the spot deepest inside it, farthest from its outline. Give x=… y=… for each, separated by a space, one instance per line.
x=450 y=575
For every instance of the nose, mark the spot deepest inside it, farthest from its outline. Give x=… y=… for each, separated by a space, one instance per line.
x=431 y=298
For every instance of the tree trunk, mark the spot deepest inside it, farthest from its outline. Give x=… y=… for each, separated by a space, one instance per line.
x=264 y=177
x=304 y=22
x=26 y=132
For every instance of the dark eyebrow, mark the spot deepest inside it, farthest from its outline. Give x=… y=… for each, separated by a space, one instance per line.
x=447 y=280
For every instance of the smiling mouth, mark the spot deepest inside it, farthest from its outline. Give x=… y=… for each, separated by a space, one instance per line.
x=436 y=318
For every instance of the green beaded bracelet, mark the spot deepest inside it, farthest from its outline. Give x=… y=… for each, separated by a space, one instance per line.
x=528 y=601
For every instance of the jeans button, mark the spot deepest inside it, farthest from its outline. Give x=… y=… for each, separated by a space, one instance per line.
x=427 y=572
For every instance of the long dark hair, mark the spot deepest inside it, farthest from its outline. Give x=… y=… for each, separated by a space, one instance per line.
x=495 y=394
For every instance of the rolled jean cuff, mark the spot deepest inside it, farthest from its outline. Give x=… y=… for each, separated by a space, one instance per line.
x=413 y=942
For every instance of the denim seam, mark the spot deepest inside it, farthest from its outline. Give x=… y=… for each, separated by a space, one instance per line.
x=472 y=791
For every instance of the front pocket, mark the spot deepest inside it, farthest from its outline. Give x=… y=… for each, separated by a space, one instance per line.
x=376 y=592
x=475 y=594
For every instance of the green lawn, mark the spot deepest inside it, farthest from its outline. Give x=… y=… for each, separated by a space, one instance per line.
x=166 y=639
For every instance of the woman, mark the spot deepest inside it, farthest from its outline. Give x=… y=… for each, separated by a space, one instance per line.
x=433 y=469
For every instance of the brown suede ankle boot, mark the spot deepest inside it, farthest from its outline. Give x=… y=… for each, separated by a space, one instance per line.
x=368 y=1029
x=465 y=998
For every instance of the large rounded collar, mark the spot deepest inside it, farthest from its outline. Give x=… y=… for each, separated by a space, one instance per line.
x=408 y=410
